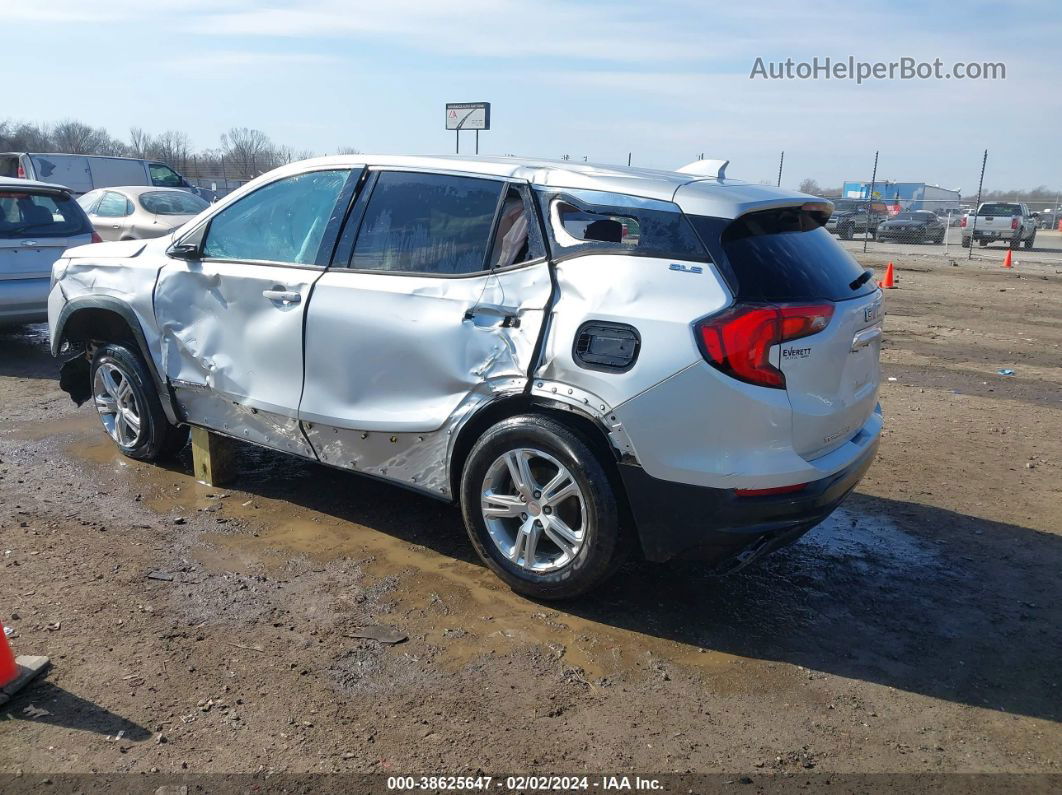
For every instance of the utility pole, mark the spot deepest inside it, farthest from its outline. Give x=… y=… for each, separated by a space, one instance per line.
x=980 y=184
x=781 y=160
x=870 y=201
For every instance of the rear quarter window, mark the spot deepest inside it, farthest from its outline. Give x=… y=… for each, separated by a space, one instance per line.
x=28 y=214
x=782 y=255
x=585 y=222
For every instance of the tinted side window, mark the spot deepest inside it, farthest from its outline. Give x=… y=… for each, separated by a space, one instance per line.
x=593 y=221
x=113 y=205
x=163 y=176
x=427 y=223
x=782 y=255
x=283 y=221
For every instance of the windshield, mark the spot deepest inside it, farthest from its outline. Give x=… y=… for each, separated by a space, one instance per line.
x=178 y=202
x=844 y=207
x=24 y=214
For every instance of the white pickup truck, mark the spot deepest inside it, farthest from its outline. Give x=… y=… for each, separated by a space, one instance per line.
x=1009 y=222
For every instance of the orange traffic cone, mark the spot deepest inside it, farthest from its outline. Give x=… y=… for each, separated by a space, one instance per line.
x=8 y=666
x=889 y=282
x=16 y=673
x=1007 y=259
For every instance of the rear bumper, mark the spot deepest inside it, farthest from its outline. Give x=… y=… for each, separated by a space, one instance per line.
x=677 y=520
x=1006 y=234
x=23 y=301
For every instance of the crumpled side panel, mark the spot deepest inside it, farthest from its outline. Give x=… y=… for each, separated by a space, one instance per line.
x=131 y=281
x=417 y=460
x=234 y=354
x=241 y=421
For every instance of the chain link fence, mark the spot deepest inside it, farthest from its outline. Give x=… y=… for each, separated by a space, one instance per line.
x=909 y=218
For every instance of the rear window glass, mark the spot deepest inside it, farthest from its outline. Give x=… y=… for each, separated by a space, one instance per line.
x=1000 y=209
x=172 y=203
x=783 y=255
x=25 y=214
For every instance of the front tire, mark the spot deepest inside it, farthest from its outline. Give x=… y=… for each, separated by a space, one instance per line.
x=540 y=508
x=129 y=407
x=845 y=232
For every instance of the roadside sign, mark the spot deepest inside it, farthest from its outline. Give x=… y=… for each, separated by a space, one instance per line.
x=467 y=115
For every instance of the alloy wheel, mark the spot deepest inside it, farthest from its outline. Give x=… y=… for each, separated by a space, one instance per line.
x=534 y=510
x=117 y=404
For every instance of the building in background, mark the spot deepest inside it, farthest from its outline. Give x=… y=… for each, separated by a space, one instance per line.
x=905 y=195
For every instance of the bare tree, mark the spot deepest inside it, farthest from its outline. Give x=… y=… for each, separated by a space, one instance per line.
x=79 y=138
x=248 y=152
x=809 y=185
x=348 y=150
x=171 y=147
x=139 y=142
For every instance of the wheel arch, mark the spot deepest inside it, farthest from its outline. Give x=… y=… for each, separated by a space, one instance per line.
x=590 y=430
x=108 y=319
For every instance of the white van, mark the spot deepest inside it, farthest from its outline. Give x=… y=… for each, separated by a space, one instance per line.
x=82 y=173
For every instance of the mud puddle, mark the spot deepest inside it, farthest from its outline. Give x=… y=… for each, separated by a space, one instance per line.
x=322 y=519
x=448 y=599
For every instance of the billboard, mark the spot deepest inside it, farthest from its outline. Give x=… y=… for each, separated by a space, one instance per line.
x=467 y=115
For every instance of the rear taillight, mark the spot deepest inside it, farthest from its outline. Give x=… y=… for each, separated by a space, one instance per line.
x=1014 y=222
x=962 y=223
x=21 y=173
x=738 y=340
x=96 y=237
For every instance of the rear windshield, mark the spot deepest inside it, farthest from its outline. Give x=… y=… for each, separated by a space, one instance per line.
x=1000 y=209
x=25 y=214
x=783 y=255
x=164 y=202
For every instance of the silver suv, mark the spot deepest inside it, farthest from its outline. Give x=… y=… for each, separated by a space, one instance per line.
x=591 y=361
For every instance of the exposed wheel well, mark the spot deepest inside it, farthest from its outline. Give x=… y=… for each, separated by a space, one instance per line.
x=93 y=323
x=586 y=428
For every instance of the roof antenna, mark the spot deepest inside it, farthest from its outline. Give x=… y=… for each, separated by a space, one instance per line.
x=706 y=168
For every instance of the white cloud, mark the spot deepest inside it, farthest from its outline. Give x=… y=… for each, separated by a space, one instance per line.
x=229 y=60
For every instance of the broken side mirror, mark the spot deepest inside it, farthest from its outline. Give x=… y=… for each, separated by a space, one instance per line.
x=188 y=247
x=185 y=251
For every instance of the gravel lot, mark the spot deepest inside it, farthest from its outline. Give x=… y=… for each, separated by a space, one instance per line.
x=919 y=629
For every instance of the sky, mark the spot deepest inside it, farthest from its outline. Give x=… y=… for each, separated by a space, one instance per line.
x=663 y=80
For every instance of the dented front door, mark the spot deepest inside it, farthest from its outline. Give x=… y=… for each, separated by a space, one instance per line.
x=398 y=351
x=231 y=320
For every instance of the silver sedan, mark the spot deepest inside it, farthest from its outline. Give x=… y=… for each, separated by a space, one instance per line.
x=137 y=212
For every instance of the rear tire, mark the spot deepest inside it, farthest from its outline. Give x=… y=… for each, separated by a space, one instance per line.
x=124 y=394
x=1030 y=241
x=544 y=546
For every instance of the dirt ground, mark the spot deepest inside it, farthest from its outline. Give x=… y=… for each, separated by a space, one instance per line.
x=207 y=630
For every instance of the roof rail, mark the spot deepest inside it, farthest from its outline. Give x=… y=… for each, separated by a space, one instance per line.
x=706 y=168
